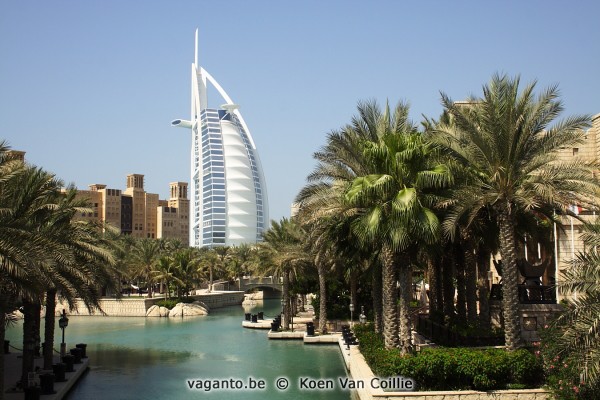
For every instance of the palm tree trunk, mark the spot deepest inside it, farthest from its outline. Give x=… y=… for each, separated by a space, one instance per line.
x=448 y=287
x=390 y=297
x=210 y=278
x=28 y=340
x=377 y=298
x=483 y=266
x=49 y=322
x=510 y=279
x=461 y=298
x=4 y=301
x=150 y=286
x=439 y=287
x=405 y=297
x=322 y=299
x=470 y=282
x=2 y=336
x=286 y=300
x=433 y=285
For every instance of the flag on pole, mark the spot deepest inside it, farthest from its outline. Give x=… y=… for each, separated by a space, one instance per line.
x=575 y=209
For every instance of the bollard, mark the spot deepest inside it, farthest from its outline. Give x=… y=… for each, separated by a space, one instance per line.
x=59 y=370
x=32 y=393
x=68 y=360
x=261 y=315
x=83 y=348
x=76 y=353
x=310 y=329
x=47 y=383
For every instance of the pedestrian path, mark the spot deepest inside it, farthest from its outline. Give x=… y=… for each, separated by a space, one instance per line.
x=12 y=374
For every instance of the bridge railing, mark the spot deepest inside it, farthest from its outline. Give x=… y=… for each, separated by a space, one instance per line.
x=260 y=280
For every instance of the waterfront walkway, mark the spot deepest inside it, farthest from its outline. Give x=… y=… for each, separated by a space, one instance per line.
x=12 y=374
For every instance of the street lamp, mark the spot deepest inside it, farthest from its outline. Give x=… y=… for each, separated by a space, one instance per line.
x=63 y=322
x=282 y=312
x=362 y=318
x=351 y=314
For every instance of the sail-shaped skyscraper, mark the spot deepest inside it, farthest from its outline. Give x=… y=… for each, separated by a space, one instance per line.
x=228 y=192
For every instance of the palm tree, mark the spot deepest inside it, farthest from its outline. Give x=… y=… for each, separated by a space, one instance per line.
x=240 y=258
x=41 y=249
x=509 y=152
x=208 y=262
x=144 y=255
x=84 y=265
x=578 y=341
x=28 y=200
x=322 y=208
x=284 y=242
x=185 y=263
x=222 y=253
x=397 y=197
x=322 y=243
x=163 y=272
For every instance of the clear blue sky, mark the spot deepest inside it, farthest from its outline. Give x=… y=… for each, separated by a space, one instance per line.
x=88 y=88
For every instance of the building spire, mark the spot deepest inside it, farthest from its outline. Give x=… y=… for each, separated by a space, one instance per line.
x=196 y=49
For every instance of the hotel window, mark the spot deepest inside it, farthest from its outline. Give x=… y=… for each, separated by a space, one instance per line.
x=575 y=151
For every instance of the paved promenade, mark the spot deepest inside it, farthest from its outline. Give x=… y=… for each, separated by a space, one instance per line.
x=12 y=373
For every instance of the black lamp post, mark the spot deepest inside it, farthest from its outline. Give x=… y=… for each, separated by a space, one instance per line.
x=282 y=311
x=63 y=322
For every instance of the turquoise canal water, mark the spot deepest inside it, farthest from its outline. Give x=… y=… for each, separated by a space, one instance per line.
x=159 y=358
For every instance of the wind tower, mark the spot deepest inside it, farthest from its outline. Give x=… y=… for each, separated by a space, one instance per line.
x=228 y=194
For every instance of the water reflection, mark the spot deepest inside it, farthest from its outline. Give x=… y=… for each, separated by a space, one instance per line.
x=141 y=358
x=119 y=359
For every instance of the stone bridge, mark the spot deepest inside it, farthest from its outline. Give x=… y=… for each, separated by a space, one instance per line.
x=271 y=287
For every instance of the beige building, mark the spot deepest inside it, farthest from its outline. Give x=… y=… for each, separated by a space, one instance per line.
x=569 y=231
x=138 y=213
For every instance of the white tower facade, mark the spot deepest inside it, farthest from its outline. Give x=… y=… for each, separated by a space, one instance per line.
x=228 y=204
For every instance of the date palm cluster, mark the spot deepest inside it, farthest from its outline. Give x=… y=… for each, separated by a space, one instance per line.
x=389 y=199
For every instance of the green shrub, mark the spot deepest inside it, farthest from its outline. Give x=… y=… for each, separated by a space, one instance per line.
x=462 y=368
x=170 y=303
x=563 y=369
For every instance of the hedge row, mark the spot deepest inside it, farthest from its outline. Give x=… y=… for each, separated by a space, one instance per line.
x=442 y=368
